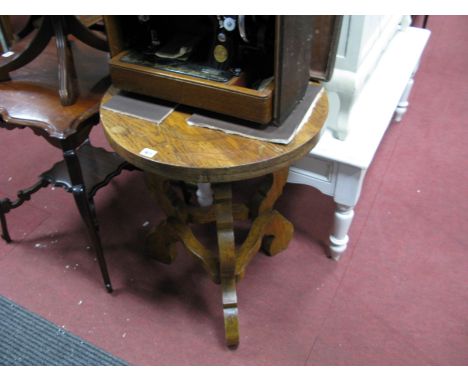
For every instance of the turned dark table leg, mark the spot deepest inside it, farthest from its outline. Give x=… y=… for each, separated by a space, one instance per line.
x=86 y=208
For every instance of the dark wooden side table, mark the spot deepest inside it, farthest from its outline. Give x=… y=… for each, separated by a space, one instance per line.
x=197 y=155
x=30 y=99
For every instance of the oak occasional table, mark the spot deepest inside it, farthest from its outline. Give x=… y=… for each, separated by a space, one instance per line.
x=200 y=155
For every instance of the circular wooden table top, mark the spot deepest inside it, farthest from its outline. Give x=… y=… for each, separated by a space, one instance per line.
x=198 y=154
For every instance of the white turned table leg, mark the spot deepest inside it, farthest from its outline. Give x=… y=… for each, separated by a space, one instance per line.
x=402 y=106
x=339 y=236
x=204 y=194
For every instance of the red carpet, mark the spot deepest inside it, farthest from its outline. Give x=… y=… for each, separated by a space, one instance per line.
x=399 y=296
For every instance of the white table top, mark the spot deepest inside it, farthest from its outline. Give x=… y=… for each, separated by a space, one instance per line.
x=370 y=116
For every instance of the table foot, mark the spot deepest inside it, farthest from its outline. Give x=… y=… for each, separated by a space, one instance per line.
x=277 y=235
x=231 y=313
x=6 y=205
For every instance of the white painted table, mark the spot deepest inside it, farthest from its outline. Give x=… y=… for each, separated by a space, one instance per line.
x=338 y=167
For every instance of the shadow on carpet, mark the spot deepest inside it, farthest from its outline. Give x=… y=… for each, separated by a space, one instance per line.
x=27 y=339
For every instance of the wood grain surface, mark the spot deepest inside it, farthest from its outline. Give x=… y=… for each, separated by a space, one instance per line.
x=197 y=154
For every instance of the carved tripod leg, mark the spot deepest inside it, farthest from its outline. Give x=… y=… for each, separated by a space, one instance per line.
x=269 y=192
x=280 y=229
x=29 y=27
x=272 y=231
x=85 y=35
x=278 y=235
x=227 y=260
x=35 y=47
